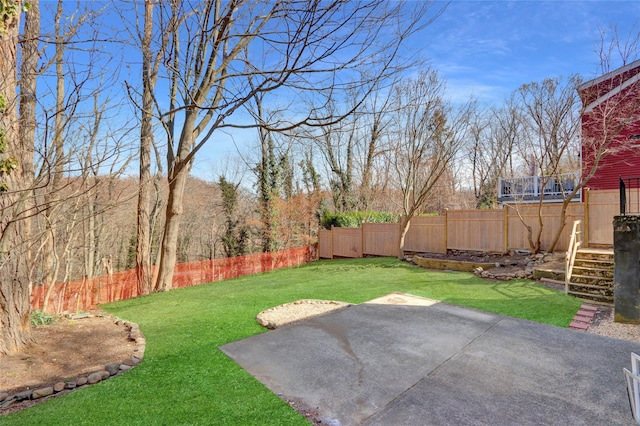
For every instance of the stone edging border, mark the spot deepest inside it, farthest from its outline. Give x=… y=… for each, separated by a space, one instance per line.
x=110 y=370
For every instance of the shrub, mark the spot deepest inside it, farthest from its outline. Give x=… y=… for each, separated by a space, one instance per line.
x=40 y=318
x=355 y=219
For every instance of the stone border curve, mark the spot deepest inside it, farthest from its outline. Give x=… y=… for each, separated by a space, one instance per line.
x=110 y=370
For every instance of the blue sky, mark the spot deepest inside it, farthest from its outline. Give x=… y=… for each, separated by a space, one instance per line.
x=490 y=48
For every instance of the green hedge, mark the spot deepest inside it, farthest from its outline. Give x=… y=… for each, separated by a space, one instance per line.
x=355 y=219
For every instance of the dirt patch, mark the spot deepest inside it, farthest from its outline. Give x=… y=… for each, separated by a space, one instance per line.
x=503 y=260
x=64 y=351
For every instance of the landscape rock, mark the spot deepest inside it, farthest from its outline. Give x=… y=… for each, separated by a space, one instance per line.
x=132 y=362
x=112 y=368
x=82 y=381
x=80 y=315
x=135 y=334
x=94 y=377
x=71 y=385
x=104 y=374
x=7 y=402
x=3 y=396
x=59 y=387
x=22 y=396
x=40 y=393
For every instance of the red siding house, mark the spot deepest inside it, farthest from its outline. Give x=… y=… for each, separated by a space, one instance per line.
x=611 y=127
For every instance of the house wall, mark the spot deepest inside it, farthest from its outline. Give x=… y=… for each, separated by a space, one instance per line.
x=623 y=162
x=611 y=128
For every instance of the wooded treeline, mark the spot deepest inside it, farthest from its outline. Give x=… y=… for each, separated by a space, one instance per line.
x=104 y=108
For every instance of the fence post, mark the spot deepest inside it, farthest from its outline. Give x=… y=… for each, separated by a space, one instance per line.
x=400 y=226
x=446 y=226
x=585 y=227
x=505 y=228
x=362 y=239
x=331 y=239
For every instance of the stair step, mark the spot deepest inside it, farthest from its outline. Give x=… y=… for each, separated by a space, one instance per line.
x=604 y=263
x=591 y=268
x=586 y=307
x=592 y=275
x=590 y=279
x=578 y=325
x=593 y=286
x=587 y=314
x=597 y=251
x=608 y=300
x=602 y=258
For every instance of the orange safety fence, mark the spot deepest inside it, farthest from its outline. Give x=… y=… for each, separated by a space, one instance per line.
x=88 y=293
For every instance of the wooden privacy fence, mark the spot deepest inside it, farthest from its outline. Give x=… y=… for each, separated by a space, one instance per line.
x=373 y=239
x=88 y=293
x=478 y=230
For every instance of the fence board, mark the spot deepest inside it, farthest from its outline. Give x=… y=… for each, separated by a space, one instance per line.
x=347 y=242
x=550 y=214
x=603 y=206
x=380 y=239
x=480 y=230
x=426 y=235
x=325 y=250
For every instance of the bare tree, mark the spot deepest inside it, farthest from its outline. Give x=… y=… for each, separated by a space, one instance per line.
x=493 y=136
x=28 y=96
x=146 y=217
x=428 y=134
x=615 y=50
x=14 y=281
x=337 y=144
x=295 y=48
x=269 y=171
x=549 y=143
x=352 y=150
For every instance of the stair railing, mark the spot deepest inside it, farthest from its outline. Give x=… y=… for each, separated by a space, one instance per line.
x=574 y=244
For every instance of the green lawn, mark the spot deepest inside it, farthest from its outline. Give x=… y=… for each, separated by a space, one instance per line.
x=185 y=380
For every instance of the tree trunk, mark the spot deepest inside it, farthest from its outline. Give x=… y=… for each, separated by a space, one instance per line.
x=28 y=74
x=171 y=228
x=56 y=161
x=15 y=327
x=143 y=234
x=403 y=233
x=563 y=218
x=177 y=176
x=90 y=237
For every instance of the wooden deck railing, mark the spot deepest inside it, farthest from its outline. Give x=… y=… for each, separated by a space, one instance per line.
x=574 y=244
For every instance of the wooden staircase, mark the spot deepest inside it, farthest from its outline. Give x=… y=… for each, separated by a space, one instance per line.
x=591 y=276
